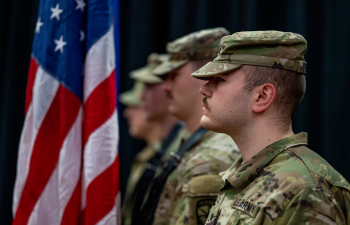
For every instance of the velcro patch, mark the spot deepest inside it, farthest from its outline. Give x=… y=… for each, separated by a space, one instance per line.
x=245 y=206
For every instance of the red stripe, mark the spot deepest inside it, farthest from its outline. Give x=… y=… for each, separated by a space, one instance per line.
x=101 y=194
x=51 y=135
x=100 y=105
x=30 y=83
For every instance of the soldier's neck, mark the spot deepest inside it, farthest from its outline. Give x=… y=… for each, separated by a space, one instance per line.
x=167 y=123
x=154 y=134
x=193 y=121
x=252 y=140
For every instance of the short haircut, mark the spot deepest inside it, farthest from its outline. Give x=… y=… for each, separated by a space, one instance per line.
x=290 y=87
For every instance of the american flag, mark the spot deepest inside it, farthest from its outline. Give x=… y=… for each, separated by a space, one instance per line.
x=68 y=166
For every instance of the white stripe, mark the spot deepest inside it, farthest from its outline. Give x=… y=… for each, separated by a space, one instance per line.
x=100 y=151
x=70 y=163
x=44 y=90
x=99 y=63
x=50 y=206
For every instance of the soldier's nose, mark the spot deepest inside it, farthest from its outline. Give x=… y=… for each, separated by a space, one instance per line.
x=205 y=90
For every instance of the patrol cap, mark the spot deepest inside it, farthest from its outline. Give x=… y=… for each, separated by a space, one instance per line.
x=132 y=97
x=277 y=49
x=195 y=46
x=145 y=74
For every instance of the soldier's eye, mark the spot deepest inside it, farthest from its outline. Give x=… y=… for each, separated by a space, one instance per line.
x=219 y=79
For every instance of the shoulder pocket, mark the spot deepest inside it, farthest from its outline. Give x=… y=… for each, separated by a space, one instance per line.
x=201 y=193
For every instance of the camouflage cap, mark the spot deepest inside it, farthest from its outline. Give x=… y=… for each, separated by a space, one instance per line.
x=195 y=46
x=132 y=97
x=145 y=74
x=277 y=49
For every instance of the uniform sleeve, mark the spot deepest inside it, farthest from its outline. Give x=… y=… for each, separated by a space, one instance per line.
x=311 y=206
x=200 y=194
x=346 y=195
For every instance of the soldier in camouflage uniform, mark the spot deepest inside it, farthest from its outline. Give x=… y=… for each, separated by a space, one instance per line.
x=149 y=97
x=139 y=128
x=185 y=199
x=254 y=86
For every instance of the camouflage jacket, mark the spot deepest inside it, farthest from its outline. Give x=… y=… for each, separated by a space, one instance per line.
x=136 y=172
x=193 y=186
x=138 y=168
x=285 y=183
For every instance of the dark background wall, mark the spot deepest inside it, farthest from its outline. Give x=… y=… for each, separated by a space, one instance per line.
x=147 y=25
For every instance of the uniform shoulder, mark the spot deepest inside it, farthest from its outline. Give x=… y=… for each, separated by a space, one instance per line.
x=319 y=168
x=214 y=153
x=220 y=142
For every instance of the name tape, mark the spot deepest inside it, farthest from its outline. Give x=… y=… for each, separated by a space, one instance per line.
x=245 y=206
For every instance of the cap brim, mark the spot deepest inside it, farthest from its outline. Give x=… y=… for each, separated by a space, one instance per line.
x=168 y=66
x=145 y=75
x=129 y=99
x=214 y=68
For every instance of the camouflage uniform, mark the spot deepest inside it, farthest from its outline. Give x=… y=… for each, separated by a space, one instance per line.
x=193 y=186
x=191 y=189
x=284 y=183
x=138 y=168
x=136 y=171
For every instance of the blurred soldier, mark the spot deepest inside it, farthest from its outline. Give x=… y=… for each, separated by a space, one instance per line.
x=154 y=103
x=140 y=128
x=254 y=87
x=184 y=199
x=154 y=99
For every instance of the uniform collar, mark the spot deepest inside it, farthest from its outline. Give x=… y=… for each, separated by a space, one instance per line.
x=241 y=175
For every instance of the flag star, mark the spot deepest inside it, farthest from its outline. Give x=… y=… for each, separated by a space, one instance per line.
x=38 y=25
x=59 y=44
x=56 y=12
x=80 y=5
x=82 y=35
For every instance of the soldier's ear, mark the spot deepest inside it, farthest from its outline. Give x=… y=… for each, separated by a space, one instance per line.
x=263 y=96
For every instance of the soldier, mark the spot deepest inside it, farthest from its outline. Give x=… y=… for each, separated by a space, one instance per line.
x=154 y=106
x=140 y=128
x=185 y=199
x=154 y=100
x=254 y=87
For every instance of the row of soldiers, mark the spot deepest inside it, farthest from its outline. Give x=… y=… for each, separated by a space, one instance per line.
x=248 y=87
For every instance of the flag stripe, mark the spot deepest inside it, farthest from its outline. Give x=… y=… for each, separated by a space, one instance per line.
x=69 y=166
x=102 y=191
x=100 y=62
x=35 y=115
x=101 y=150
x=51 y=135
x=71 y=215
x=30 y=83
x=61 y=184
x=112 y=217
x=100 y=105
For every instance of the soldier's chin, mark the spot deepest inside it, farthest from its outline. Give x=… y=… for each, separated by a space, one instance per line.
x=208 y=124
